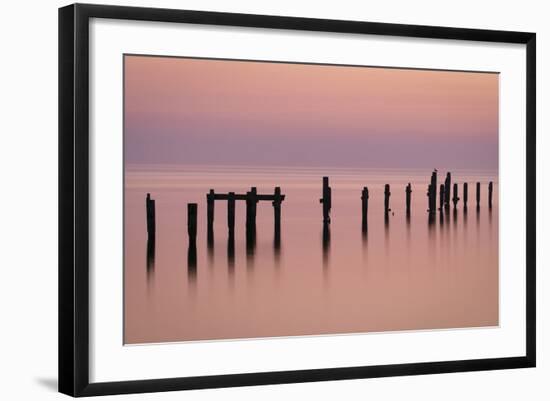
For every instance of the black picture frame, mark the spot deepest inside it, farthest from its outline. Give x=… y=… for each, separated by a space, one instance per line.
x=74 y=199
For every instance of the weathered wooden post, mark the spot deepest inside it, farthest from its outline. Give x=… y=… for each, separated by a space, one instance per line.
x=277 y=200
x=478 y=194
x=408 y=191
x=210 y=208
x=432 y=193
x=364 y=208
x=447 y=190
x=455 y=195
x=192 y=222
x=387 y=195
x=210 y=212
x=490 y=194
x=231 y=214
x=150 y=216
x=441 y=197
x=192 y=248
x=251 y=202
x=465 y=195
x=326 y=200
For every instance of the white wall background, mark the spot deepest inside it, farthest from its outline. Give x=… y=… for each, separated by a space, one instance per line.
x=28 y=199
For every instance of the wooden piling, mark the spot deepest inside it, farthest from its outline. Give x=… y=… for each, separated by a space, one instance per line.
x=326 y=200
x=432 y=193
x=387 y=195
x=429 y=196
x=465 y=195
x=277 y=200
x=447 y=190
x=192 y=222
x=441 y=197
x=364 y=208
x=231 y=214
x=478 y=194
x=210 y=208
x=150 y=216
x=251 y=203
x=455 y=195
x=408 y=191
x=490 y=194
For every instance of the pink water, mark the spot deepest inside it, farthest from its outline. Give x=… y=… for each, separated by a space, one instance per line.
x=405 y=275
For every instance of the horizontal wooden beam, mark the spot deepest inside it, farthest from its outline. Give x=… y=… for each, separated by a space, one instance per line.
x=245 y=196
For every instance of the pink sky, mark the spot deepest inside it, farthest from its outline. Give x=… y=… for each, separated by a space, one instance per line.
x=195 y=111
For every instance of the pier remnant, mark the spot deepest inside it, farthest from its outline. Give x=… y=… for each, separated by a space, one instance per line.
x=441 y=198
x=231 y=214
x=251 y=204
x=490 y=194
x=277 y=200
x=192 y=222
x=387 y=195
x=326 y=200
x=478 y=194
x=364 y=208
x=408 y=191
x=150 y=217
x=432 y=193
x=455 y=195
x=210 y=215
x=465 y=195
x=447 y=190
x=251 y=198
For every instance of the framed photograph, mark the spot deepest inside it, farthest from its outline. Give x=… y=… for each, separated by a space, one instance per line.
x=251 y=199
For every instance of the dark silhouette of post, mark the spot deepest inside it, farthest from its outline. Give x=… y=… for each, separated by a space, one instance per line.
x=251 y=203
x=231 y=214
x=192 y=248
x=326 y=200
x=364 y=208
x=192 y=222
x=465 y=195
x=408 y=191
x=432 y=193
x=150 y=217
x=387 y=195
x=210 y=208
x=455 y=195
x=441 y=197
x=478 y=194
x=490 y=194
x=210 y=217
x=277 y=200
x=447 y=190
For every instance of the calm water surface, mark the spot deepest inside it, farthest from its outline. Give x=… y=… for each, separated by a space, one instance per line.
x=403 y=275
